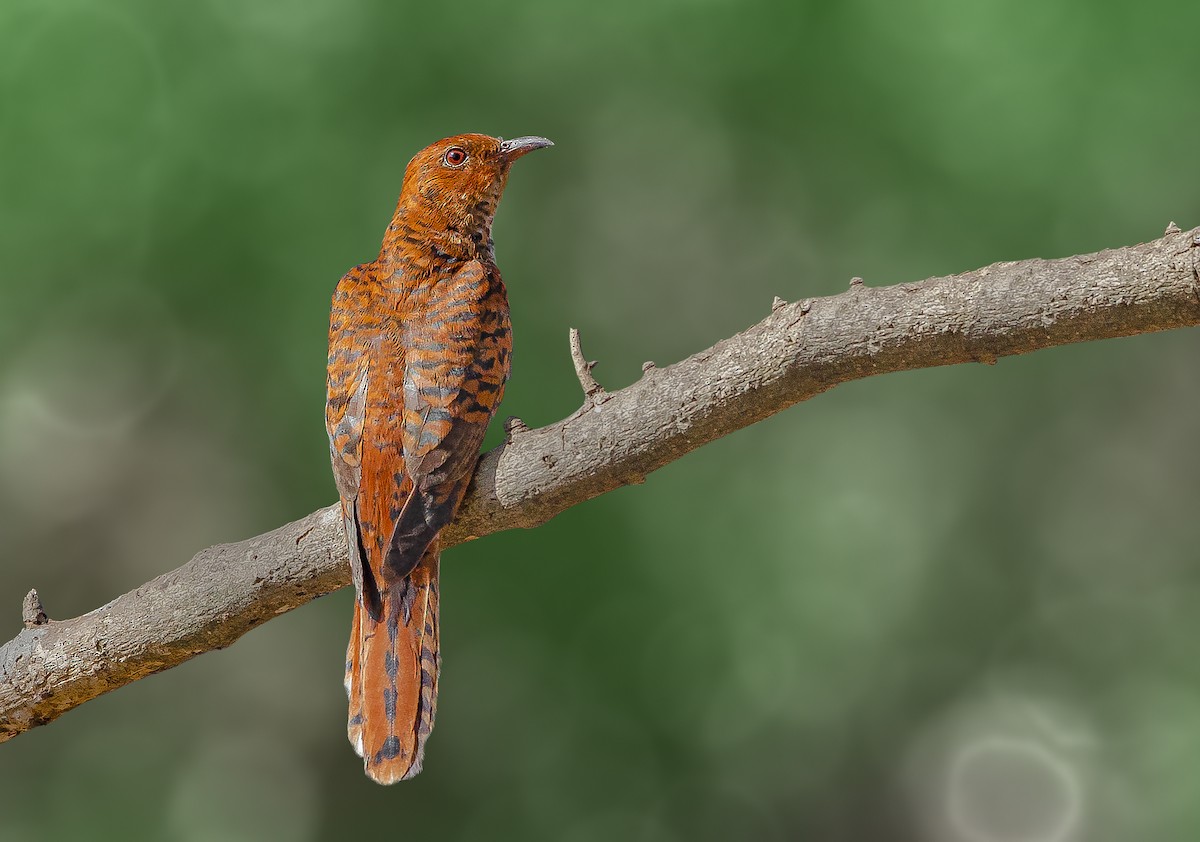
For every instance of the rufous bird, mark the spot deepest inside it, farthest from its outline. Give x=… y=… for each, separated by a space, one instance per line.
x=419 y=347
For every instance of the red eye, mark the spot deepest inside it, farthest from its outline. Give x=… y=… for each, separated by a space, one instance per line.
x=455 y=157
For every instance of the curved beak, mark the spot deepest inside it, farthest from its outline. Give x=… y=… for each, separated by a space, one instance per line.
x=518 y=146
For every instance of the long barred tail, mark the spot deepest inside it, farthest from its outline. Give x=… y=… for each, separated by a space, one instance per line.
x=392 y=673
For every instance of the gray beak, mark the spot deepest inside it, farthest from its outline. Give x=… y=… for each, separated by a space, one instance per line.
x=518 y=146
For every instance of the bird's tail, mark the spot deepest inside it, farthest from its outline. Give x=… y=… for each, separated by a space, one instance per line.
x=392 y=673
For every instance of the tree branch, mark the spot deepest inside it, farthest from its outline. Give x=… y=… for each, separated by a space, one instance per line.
x=798 y=351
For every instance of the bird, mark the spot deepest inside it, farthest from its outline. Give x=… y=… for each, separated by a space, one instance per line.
x=420 y=342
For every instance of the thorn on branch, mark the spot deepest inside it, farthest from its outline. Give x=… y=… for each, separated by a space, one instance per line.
x=513 y=427
x=593 y=392
x=32 y=612
x=777 y=304
x=1172 y=228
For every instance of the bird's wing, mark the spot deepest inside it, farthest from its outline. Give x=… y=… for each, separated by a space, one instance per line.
x=455 y=367
x=348 y=376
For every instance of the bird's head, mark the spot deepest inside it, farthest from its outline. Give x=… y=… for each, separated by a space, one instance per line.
x=459 y=179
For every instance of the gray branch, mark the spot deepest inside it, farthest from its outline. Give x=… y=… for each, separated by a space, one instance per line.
x=796 y=352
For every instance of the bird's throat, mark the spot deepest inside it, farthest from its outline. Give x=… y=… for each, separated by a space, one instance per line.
x=423 y=239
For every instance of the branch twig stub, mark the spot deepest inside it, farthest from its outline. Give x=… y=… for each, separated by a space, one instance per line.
x=592 y=390
x=32 y=612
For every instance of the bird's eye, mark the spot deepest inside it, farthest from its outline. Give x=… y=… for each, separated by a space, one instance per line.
x=455 y=156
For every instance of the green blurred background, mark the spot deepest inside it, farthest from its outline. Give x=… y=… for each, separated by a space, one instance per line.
x=954 y=605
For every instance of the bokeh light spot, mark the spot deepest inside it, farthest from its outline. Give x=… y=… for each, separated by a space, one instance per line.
x=1003 y=789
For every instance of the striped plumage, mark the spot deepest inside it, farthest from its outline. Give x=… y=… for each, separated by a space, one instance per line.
x=419 y=345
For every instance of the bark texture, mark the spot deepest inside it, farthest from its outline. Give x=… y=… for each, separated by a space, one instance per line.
x=800 y=350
